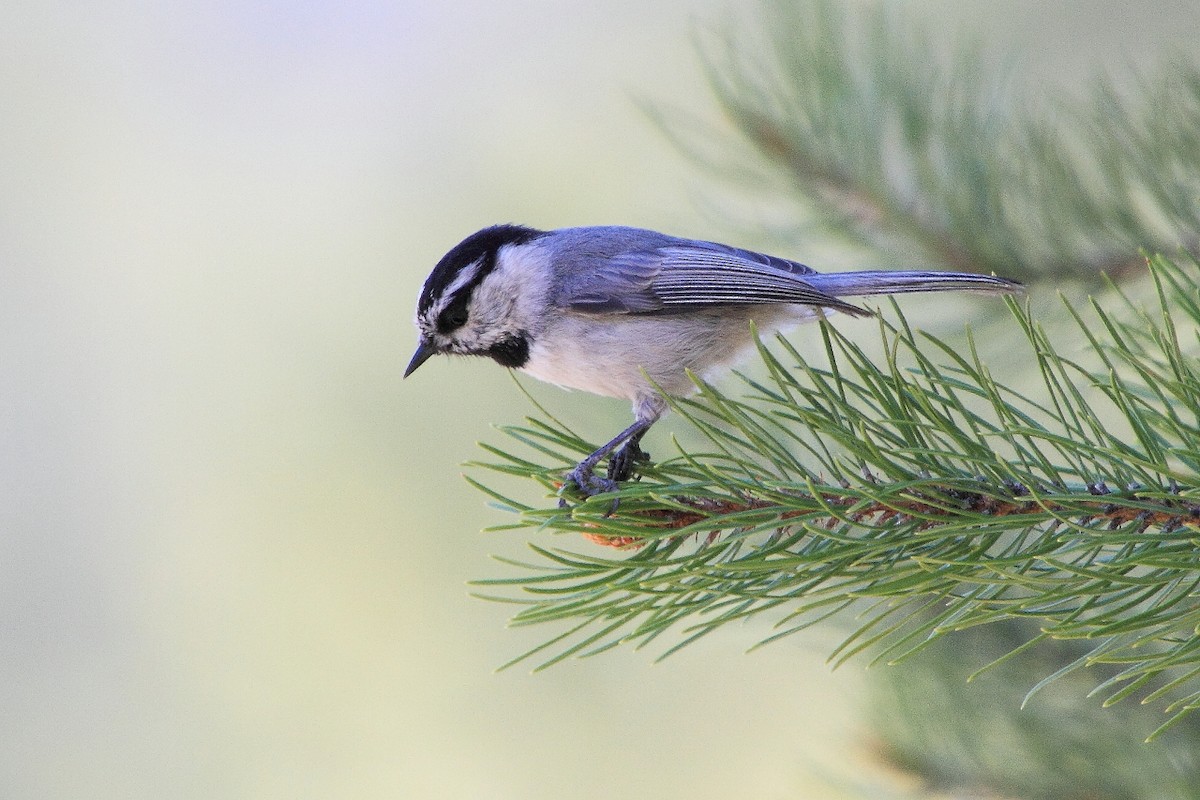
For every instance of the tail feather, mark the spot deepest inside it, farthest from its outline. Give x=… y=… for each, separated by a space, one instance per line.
x=901 y=282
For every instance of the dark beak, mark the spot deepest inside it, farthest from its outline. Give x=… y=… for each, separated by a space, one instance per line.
x=425 y=351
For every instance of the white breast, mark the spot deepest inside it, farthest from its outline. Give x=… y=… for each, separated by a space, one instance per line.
x=607 y=354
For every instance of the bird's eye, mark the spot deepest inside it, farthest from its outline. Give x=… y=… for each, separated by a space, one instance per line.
x=454 y=316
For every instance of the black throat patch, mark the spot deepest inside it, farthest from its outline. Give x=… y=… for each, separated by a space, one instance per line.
x=511 y=351
x=480 y=246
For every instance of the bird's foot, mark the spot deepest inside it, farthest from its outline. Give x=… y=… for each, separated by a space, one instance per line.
x=621 y=466
x=588 y=483
x=622 y=463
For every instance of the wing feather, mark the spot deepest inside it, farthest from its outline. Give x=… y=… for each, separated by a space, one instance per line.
x=687 y=276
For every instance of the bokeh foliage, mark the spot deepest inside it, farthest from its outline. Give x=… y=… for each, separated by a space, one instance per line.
x=850 y=111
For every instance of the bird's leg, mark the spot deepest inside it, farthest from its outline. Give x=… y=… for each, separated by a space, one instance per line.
x=646 y=410
x=583 y=475
x=622 y=462
x=619 y=468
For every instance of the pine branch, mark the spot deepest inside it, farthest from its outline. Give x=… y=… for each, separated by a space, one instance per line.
x=921 y=492
x=926 y=504
x=846 y=111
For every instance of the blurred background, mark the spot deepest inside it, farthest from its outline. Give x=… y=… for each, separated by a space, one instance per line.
x=234 y=547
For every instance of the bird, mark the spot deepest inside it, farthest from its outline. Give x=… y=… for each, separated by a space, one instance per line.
x=631 y=313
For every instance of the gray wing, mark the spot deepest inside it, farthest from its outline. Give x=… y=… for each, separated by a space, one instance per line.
x=687 y=276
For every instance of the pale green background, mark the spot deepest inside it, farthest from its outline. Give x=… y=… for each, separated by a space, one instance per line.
x=234 y=546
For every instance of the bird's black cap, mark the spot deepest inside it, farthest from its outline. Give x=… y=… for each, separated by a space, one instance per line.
x=481 y=244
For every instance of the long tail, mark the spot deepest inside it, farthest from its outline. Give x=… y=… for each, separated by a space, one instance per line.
x=884 y=282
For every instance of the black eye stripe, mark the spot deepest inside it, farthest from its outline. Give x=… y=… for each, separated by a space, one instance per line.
x=455 y=315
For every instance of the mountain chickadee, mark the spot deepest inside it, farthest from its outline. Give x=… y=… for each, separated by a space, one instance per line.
x=620 y=311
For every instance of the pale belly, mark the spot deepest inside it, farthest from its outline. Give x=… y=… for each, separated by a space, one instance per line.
x=615 y=355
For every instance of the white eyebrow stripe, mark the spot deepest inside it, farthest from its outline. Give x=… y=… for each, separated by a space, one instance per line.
x=465 y=276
